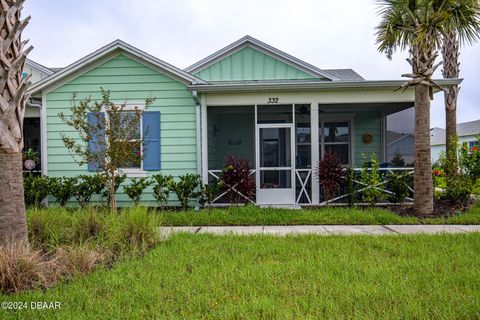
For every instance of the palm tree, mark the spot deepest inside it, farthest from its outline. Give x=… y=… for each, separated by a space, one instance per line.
x=418 y=25
x=451 y=69
x=12 y=108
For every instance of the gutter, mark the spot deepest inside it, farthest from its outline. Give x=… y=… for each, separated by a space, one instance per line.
x=198 y=130
x=309 y=85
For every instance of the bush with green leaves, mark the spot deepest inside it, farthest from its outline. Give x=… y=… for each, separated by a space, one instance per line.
x=210 y=192
x=350 y=185
x=397 y=183
x=161 y=191
x=462 y=182
x=63 y=189
x=186 y=188
x=136 y=187
x=86 y=187
x=371 y=181
x=36 y=188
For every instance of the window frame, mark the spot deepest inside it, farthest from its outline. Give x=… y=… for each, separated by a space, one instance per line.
x=326 y=118
x=132 y=172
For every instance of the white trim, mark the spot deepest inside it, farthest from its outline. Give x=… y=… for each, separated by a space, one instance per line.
x=117 y=45
x=264 y=48
x=38 y=66
x=311 y=85
x=43 y=135
x=315 y=141
x=132 y=173
x=204 y=127
x=276 y=196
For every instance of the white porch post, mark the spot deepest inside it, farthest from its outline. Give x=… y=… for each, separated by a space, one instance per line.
x=204 y=141
x=315 y=150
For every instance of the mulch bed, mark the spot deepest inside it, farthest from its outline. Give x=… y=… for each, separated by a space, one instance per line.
x=441 y=208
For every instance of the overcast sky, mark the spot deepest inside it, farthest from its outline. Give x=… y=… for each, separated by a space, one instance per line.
x=328 y=34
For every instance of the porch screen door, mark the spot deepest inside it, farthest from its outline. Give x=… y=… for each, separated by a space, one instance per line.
x=275 y=163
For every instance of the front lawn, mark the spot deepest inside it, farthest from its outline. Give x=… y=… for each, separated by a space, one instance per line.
x=266 y=277
x=250 y=215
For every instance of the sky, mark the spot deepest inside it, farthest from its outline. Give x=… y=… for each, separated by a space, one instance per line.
x=328 y=34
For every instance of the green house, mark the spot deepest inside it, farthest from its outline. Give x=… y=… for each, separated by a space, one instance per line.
x=248 y=100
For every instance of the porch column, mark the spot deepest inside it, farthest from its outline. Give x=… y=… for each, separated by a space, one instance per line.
x=204 y=141
x=315 y=150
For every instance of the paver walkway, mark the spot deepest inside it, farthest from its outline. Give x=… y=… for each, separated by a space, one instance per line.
x=326 y=229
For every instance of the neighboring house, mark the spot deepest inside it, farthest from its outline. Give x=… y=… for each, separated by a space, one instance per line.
x=400 y=147
x=467 y=132
x=248 y=100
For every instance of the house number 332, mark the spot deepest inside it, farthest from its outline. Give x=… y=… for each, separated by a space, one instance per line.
x=272 y=100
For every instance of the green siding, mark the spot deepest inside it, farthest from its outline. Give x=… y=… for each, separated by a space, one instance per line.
x=251 y=64
x=130 y=81
x=367 y=122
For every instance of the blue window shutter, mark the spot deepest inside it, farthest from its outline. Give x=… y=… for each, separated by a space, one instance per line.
x=151 y=140
x=97 y=142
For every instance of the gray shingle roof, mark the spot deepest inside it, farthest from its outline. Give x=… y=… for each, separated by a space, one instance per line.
x=345 y=74
x=471 y=128
x=468 y=128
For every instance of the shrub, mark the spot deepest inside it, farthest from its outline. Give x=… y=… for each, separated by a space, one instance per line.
x=77 y=260
x=397 y=183
x=86 y=187
x=62 y=189
x=461 y=183
x=371 y=181
x=210 y=192
x=132 y=232
x=135 y=189
x=186 y=188
x=350 y=185
x=22 y=268
x=236 y=178
x=330 y=174
x=36 y=188
x=87 y=226
x=160 y=188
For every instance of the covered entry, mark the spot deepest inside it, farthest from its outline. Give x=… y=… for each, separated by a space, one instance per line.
x=275 y=142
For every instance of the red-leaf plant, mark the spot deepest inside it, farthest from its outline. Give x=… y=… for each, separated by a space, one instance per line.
x=330 y=174
x=236 y=178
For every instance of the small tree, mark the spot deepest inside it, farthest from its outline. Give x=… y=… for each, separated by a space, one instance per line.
x=105 y=134
x=330 y=174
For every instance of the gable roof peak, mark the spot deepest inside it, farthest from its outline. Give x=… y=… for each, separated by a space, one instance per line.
x=107 y=49
x=265 y=48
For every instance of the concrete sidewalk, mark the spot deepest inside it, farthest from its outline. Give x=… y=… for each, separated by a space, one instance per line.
x=325 y=229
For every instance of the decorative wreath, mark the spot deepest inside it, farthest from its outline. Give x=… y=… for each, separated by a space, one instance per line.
x=367 y=138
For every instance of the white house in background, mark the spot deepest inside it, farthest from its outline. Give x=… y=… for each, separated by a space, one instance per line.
x=400 y=147
x=467 y=132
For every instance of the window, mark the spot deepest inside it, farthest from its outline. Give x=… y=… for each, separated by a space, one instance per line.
x=335 y=137
x=472 y=144
x=131 y=140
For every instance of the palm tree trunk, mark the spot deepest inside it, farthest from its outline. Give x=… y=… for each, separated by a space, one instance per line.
x=12 y=109
x=422 y=179
x=451 y=69
x=12 y=206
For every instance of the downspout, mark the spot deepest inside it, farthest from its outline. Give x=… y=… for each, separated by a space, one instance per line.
x=196 y=99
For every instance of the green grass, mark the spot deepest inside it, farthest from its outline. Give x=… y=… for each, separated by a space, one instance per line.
x=266 y=277
x=250 y=215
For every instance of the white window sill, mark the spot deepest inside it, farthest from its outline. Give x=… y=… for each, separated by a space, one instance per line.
x=132 y=173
